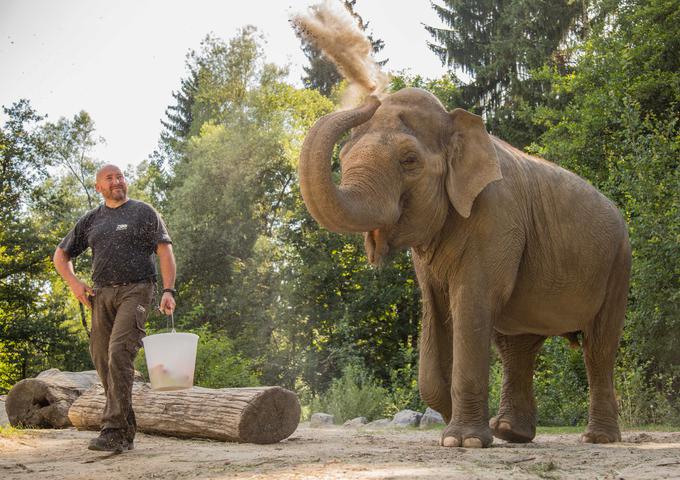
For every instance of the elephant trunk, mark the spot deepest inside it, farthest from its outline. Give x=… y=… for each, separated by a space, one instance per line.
x=347 y=208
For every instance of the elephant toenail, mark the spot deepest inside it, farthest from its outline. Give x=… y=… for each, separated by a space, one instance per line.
x=451 y=442
x=472 y=443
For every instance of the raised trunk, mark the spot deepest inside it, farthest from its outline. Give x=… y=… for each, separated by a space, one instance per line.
x=341 y=209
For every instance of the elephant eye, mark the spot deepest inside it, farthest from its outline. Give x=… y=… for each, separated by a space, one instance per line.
x=409 y=160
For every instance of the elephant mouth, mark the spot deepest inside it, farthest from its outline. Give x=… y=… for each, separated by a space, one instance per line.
x=377 y=246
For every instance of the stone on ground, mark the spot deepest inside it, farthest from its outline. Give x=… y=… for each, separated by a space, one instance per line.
x=356 y=422
x=321 y=420
x=407 y=418
x=380 y=423
x=431 y=417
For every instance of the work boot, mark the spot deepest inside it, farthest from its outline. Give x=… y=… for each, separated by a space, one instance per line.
x=131 y=429
x=110 y=440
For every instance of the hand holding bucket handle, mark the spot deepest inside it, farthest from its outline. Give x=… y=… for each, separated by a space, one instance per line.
x=167 y=305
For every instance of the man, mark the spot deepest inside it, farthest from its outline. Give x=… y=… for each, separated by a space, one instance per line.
x=123 y=234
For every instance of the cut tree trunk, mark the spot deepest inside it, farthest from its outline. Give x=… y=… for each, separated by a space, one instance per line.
x=44 y=401
x=247 y=415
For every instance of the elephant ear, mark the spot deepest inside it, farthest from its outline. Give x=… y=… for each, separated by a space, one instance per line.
x=472 y=161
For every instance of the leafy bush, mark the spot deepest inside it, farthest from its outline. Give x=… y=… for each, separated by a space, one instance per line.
x=355 y=394
x=642 y=402
x=404 y=392
x=561 y=384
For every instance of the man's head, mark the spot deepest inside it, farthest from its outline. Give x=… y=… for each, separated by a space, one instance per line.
x=110 y=182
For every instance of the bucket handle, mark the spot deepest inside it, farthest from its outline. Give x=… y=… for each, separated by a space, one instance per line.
x=172 y=319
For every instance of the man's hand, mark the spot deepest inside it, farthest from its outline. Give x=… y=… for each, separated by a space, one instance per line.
x=82 y=292
x=167 y=305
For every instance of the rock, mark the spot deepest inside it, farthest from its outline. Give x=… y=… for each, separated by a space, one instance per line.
x=321 y=420
x=381 y=423
x=355 y=422
x=3 y=414
x=431 y=417
x=407 y=418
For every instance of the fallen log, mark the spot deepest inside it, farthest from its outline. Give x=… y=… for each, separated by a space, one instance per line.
x=245 y=415
x=44 y=401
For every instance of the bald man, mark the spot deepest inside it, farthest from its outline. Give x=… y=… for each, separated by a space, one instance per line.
x=124 y=235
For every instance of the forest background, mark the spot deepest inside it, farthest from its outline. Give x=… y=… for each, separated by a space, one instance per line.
x=591 y=85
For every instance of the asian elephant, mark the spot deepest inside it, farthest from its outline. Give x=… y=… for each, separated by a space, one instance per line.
x=506 y=246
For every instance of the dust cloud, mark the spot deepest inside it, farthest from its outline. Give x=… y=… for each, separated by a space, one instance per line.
x=333 y=30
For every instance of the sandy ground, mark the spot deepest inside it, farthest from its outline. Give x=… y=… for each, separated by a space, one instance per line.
x=339 y=453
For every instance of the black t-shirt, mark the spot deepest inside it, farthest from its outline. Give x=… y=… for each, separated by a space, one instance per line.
x=123 y=242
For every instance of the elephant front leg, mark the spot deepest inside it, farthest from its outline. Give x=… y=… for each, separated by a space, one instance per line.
x=516 y=419
x=434 y=366
x=469 y=425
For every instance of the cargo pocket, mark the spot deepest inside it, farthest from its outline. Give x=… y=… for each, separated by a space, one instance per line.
x=140 y=323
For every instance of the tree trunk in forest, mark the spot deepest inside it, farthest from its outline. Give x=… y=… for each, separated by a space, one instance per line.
x=44 y=401
x=253 y=415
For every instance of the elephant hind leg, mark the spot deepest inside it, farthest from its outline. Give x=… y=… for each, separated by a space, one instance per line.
x=516 y=419
x=600 y=343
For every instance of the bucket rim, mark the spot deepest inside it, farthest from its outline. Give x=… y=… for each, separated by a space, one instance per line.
x=183 y=334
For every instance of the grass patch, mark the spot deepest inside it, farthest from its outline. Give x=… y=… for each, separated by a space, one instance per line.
x=8 y=431
x=560 y=430
x=624 y=428
x=650 y=428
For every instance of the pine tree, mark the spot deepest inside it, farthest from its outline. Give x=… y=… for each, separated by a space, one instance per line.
x=497 y=42
x=179 y=117
x=321 y=73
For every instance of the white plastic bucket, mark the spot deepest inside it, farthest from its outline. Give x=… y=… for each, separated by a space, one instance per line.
x=171 y=359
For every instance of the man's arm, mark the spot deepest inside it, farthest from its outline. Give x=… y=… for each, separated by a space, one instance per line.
x=166 y=259
x=64 y=266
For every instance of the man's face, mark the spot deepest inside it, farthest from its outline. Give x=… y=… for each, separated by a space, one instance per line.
x=111 y=184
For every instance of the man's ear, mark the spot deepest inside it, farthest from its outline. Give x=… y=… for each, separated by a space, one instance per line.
x=472 y=161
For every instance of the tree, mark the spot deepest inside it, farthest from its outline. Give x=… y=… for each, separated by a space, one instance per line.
x=498 y=44
x=34 y=332
x=619 y=129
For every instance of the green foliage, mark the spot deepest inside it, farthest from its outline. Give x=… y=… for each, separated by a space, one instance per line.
x=561 y=384
x=446 y=88
x=403 y=384
x=35 y=331
x=641 y=398
x=355 y=394
x=498 y=44
x=620 y=130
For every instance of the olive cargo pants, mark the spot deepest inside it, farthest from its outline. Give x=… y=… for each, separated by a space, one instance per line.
x=118 y=317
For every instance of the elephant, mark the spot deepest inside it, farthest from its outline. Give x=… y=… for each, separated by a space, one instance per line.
x=507 y=247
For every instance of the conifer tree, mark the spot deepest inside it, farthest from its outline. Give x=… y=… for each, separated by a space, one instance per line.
x=179 y=117
x=498 y=42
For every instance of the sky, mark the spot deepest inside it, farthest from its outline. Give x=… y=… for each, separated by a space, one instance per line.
x=121 y=60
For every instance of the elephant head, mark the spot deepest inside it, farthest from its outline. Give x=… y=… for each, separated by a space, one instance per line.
x=406 y=163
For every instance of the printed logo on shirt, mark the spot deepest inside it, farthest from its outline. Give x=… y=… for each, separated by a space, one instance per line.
x=122 y=226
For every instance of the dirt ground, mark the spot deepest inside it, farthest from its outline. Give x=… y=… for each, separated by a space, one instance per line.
x=339 y=453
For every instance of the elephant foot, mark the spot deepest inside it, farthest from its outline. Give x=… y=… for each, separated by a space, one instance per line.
x=467 y=437
x=601 y=435
x=512 y=429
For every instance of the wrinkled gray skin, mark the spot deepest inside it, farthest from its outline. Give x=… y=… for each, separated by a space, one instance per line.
x=506 y=247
